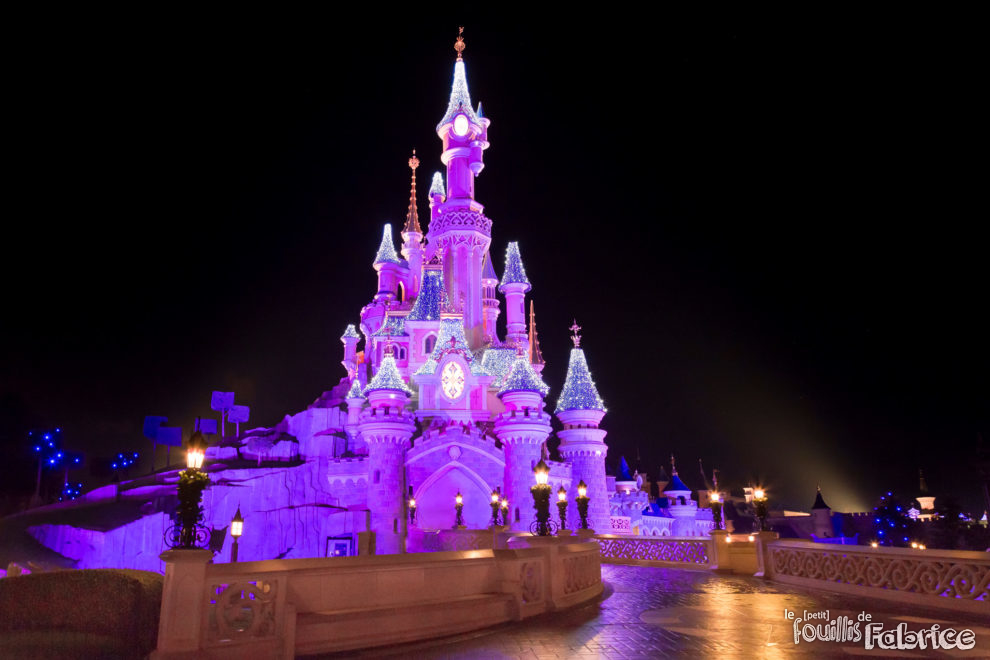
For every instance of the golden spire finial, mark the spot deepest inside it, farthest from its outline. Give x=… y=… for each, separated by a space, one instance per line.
x=459 y=44
x=575 y=337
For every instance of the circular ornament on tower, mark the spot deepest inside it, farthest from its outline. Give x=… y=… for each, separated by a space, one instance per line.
x=461 y=126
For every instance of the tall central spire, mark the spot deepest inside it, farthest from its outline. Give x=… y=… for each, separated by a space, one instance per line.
x=412 y=215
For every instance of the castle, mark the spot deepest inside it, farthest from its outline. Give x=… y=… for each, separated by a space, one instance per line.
x=434 y=405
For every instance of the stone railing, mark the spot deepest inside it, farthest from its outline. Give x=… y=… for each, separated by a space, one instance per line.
x=951 y=579
x=285 y=607
x=659 y=551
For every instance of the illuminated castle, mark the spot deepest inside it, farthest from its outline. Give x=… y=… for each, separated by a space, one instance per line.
x=434 y=403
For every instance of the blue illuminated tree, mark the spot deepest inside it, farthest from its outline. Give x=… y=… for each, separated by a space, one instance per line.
x=891 y=522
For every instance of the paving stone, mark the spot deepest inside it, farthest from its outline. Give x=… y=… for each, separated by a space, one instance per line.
x=663 y=612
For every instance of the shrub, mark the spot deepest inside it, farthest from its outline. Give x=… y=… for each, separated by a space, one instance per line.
x=119 y=604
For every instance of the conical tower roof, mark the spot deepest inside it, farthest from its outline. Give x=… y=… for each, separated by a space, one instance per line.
x=487 y=270
x=432 y=297
x=386 y=251
x=579 y=391
x=355 y=391
x=522 y=378
x=388 y=378
x=460 y=97
x=819 y=501
x=515 y=272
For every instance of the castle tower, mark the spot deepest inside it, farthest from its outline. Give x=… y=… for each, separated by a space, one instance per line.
x=522 y=429
x=514 y=285
x=683 y=509
x=386 y=427
x=389 y=267
x=490 y=303
x=355 y=401
x=458 y=227
x=350 y=340
x=580 y=409
x=412 y=237
x=821 y=517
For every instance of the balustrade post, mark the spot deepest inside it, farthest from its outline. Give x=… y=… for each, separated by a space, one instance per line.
x=183 y=597
x=763 y=565
x=718 y=557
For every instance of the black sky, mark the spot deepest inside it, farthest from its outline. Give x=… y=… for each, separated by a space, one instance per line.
x=767 y=228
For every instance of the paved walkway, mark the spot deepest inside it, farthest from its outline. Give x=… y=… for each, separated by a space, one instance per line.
x=662 y=612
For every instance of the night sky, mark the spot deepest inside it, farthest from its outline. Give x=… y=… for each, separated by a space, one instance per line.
x=770 y=236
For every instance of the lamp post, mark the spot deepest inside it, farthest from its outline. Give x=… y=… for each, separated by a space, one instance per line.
x=761 y=507
x=192 y=482
x=582 y=503
x=236 y=529
x=412 y=510
x=541 y=499
x=495 y=499
x=716 y=503
x=505 y=512
x=459 y=507
x=562 y=507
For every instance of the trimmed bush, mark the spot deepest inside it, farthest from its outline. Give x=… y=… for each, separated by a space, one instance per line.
x=121 y=606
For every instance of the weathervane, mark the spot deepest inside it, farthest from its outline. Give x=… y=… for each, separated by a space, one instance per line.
x=673 y=466
x=459 y=45
x=575 y=337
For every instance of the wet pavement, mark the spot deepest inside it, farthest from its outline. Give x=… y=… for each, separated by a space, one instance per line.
x=651 y=612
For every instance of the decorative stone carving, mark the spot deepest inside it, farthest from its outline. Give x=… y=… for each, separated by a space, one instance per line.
x=531 y=581
x=933 y=576
x=661 y=549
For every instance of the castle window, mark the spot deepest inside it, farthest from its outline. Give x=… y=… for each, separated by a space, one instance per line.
x=395 y=525
x=517 y=514
x=378 y=476
x=428 y=345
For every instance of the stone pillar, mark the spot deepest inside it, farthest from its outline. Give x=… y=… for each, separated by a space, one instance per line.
x=582 y=444
x=763 y=566
x=386 y=431
x=521 y=429
x=183 y=600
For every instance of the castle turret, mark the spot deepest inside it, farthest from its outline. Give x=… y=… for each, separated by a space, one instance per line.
x=522 y=429
x=821 y=517
x=490 y=302
x=458 y=227
x=514 y=285
x=535 y=355
x=683 y=509
x=412 y=237
x=386 y=426
x=350 y=340
x=389 y=267
x=582 y=443
x=355 y=401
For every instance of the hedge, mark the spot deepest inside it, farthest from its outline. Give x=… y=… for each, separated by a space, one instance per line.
x=120 y=605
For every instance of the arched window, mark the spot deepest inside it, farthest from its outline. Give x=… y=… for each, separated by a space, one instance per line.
x=378 y=476
x=517 y=514
x=431 y=341
x=395 y=525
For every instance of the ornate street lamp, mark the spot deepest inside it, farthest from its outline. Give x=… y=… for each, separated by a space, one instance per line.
x=541 y=500
x=236 y=529
x=188 y=531
x=562 y=507
x=716 y=503
x=761 y=507
x=459 y=507
x=412 y=510
x=495 y=499
x=505 y=512
x=582 y=503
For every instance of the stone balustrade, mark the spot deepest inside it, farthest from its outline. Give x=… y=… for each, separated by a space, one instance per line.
x=284 y=607
x=951 y=579
x=655 y=551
